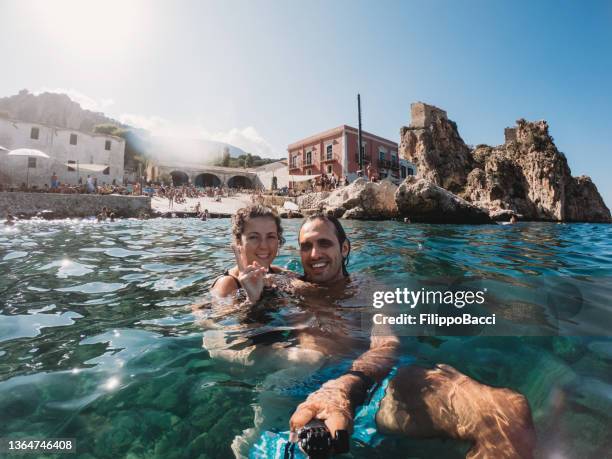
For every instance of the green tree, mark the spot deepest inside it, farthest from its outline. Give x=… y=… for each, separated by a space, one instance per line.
x=108 y=129
x=248 y=161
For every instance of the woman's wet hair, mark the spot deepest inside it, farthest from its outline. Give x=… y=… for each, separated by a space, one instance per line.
x=242 y=216
x=340 y=234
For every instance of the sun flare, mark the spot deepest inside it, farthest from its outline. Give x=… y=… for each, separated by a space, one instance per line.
x=92 y=26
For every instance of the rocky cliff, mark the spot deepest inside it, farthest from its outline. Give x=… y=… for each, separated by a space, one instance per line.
x=526 y=175
x=433 y=143
x=53 y=109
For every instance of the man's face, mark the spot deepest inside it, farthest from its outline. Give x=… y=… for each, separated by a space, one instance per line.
x=321 y=252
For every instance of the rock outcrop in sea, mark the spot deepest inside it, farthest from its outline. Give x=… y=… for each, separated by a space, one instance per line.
x=421 y=200
x=527 y=175
x=418 y=199
x=433 y=144
x=360 y=200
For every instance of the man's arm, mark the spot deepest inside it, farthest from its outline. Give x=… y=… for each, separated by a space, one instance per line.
x=336 y=401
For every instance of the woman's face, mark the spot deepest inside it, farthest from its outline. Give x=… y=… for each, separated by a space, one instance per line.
x=259 y=241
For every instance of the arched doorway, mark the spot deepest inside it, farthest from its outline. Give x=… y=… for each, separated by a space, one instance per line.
x=207 y=180
x=179 y=178
x=238 y=181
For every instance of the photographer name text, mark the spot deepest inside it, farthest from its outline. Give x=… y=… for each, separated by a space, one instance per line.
x=413 y=298
x=432 y=319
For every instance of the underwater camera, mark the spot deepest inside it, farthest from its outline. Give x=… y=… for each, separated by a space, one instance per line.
x=316 y=441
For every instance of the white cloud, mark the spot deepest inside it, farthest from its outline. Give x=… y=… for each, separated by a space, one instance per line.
x=154 y=124
x=247 y=138
x=86 y=102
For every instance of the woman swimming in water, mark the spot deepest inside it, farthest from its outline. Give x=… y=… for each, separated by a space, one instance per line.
x=257 y=234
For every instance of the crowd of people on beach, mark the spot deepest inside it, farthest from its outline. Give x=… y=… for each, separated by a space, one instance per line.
x=325 y=182
x=89 y=185
x=329 y=182
x=176 y=194
x=180 y=194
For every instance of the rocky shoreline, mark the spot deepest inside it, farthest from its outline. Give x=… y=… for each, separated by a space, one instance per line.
x=415 y=200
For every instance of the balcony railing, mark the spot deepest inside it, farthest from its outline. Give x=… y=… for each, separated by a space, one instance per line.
x=329 y=158
x=386 y=164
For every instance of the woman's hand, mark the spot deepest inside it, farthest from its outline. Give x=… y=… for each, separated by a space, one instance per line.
x=251 y=276
x=252 y=280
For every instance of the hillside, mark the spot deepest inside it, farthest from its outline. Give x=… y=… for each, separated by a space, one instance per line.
x=54 y=109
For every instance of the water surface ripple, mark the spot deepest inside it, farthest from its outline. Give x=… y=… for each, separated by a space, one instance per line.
x=98 y=340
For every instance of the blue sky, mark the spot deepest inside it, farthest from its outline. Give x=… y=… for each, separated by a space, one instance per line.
x=262 y=74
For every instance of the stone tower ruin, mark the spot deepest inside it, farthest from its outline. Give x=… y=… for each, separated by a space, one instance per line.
x=423 y=115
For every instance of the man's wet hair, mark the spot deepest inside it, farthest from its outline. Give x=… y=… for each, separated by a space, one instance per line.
x=340 y=234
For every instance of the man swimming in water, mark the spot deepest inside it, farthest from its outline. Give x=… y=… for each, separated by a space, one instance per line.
x=419 y=402
x=324 y=250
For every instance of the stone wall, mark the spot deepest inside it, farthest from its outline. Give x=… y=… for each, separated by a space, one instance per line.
x=422 y=115
x=509 y=135
x=71 y=205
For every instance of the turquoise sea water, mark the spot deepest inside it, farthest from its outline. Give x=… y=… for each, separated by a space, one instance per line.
x=99 y=342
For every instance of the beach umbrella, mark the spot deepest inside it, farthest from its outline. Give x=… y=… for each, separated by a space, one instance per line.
x=30 y=153
x=92 y=167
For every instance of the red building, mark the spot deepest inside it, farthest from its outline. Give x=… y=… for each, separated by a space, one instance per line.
x=335 y=152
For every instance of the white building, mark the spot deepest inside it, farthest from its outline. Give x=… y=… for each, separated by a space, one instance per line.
x=72 y=154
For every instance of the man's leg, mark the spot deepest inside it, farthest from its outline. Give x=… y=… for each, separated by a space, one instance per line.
x=422 y=402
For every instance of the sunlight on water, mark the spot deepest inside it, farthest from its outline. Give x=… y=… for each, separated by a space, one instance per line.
x=98 y=340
